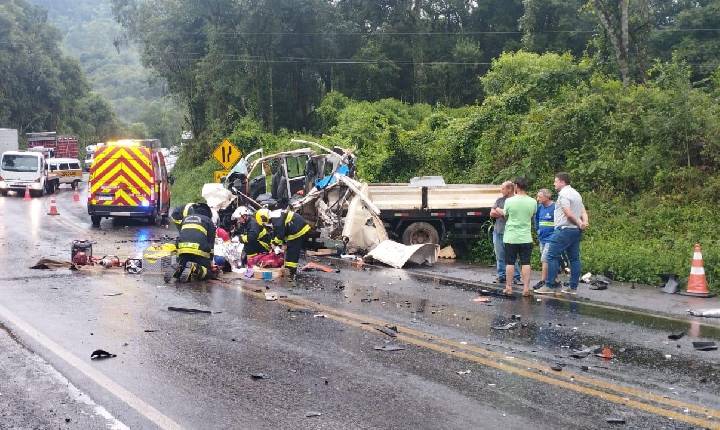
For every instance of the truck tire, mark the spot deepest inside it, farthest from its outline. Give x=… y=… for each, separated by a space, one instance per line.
x=420 y=232
x=74 y=185
x=95 y=221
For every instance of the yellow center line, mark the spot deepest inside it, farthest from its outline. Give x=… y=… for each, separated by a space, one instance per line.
x=501 y=362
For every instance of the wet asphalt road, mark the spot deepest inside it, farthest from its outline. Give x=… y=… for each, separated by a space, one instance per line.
x=316 y=347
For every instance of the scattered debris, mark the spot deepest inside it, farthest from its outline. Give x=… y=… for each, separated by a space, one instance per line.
x=615 y=420
x=319 y=316
x=582 y=353
x=676 y=336
x=597 y=282
x=463 y=372
x=397 y=254
x=188 y=310
x=585 y=368
x=259 y=376
x=515 y=317
x=100 y=354
x=668 y=356
x=671 y=283
x=606 y=353
x=149 y=331
x=708 y=313
x=313 y=266
x=448 y=252
x=312 y=414
x=481 y=300
x=271 y=296
x=705 y=346
x=390 y=331
x=113 y=294
x=508 y=326
x=390 y=347
x=556 y=367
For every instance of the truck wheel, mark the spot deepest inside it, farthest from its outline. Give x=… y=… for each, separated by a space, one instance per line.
x=95 y=221
x=420 y=232
x=74 y=185
x=37 y=193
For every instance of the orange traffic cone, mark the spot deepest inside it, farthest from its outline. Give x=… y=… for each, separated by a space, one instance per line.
x=27 y=194
x=53 y=207
x=76 y=195
x=697 y=283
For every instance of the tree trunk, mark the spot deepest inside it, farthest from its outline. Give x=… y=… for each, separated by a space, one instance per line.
x=619 y=42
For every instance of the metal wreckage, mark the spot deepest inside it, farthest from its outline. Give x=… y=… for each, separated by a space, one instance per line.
x=348 y=215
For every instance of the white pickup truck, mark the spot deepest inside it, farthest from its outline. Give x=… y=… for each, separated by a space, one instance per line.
x=21 y=170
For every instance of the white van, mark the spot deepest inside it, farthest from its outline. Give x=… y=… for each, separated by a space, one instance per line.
x=20 y=170
x=68 y=170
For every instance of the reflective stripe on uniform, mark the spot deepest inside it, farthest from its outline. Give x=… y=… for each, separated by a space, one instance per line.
x=288 y=217
x=547 y=224
x=244 y=238
x=264 y=245
x=290 y=264
x=195 y=227
x=182 y=250
x=298 y=234
x=186 y=209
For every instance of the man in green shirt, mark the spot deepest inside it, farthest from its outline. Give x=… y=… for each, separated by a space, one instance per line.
x=519 y=213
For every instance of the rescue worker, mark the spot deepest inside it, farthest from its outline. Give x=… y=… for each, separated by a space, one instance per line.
x=195 y=245
x=180 y=212
x=290 y=228
x=253 y=235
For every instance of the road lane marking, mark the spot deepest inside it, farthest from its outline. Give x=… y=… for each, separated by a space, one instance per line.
x=499 y=361
x=139 y=405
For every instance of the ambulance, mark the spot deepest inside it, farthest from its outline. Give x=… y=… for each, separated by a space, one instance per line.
x=128 y=178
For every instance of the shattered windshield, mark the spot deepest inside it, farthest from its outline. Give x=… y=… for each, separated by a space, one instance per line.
x=19 y=163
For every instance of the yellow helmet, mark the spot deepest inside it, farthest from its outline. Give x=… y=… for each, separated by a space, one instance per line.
x=262 y=216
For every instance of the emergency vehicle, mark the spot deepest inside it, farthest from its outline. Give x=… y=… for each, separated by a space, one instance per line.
x=128 y=178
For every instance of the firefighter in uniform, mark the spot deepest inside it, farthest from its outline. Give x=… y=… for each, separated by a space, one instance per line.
x=180 y=212
x=254 y=236
x=290 y=228
x=195 y=245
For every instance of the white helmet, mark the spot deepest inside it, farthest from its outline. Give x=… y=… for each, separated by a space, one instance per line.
x=240 y=211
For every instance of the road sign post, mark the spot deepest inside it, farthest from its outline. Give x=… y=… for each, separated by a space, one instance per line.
x=227 y=154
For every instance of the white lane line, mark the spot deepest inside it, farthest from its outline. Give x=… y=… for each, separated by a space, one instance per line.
x=142 y=408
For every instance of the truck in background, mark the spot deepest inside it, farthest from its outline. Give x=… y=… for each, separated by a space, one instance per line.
x=128 y=178
x=61 y=146
x=21 y=170
x=9 y=140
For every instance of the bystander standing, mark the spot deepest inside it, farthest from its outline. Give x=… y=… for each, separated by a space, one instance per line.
x=519 y=213
x=508 y=190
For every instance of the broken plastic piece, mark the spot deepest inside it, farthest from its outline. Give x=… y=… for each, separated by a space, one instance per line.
x=615 y=420
x=100 y=354
x=312 y=266
x=113 y=294
x=481 y=300
x=319 y=316
x=259 y=376
x=676 y=336
x=556 y=367
x=390 y=347
x=582 y=353
x=313 y=414
x=705 y=346
x=188 y=310
x=271 y=296
x=463 y=372
x=708 y=313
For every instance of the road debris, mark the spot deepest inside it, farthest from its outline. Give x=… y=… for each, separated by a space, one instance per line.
x=100 y=354
x=508 y=326
x=271 y=296
x=482 y=300
x=615 y=420
x=313 y=266
x=463 y=372
x=149 y=331
x=582 y=353
x=556 y=367
x=676 y=336
x=312 y=414
x=49 y=264
x=705 y=346
x=319 y=316
x=112 y=294
x=606 y=353
x=259 y=376
x=389 y=347
x=707 y=313
x=188 y=310
x=390 y=331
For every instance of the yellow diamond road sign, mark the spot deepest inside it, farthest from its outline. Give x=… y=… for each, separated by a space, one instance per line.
x=219 y=174
x=227 y=154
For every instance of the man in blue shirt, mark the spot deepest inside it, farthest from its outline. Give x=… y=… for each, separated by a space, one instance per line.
x=545 y=225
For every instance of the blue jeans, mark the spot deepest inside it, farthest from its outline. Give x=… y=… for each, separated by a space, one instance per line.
x=564 y=241
x=500 y=257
